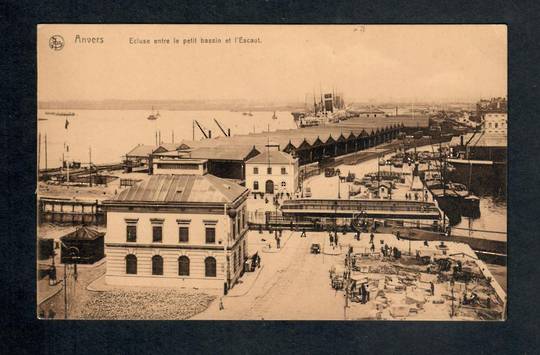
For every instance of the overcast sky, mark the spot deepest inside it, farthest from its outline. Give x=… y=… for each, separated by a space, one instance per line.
x=371 y=63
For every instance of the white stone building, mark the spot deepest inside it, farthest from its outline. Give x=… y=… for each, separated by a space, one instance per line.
x=495 y=124
x=177 y=230
x=272 y=171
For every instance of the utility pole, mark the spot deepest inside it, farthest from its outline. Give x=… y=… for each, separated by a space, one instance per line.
x=39 y=152
x=65 y=292
x=90 y=163
x=378 y=174
x=45 y=151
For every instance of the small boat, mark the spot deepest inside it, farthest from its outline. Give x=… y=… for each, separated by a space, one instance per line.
x=42 y=119
x=152 y=116
x=250 y=114
x=274 y=117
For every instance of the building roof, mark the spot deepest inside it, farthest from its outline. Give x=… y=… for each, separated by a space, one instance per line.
x=83 y=233
x=272 y=156
x=181 y=188
x=481 y=140
x=228 y=152
x=141 y=150
x=168 y=147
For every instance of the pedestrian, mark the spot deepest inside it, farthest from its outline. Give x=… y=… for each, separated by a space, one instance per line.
x=373 y=248
x=432 y=287
x=303 y=235
x=331 y=240
x=363 y=293
x=221 y=304
x=336 y=239
x=278 y=242
x=371 y=238
x=398 y=235
x=358 y=236
x=367 y=292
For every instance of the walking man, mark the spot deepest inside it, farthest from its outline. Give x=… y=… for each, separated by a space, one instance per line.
x=432 y=287
x=371 y=236
x=363 y=293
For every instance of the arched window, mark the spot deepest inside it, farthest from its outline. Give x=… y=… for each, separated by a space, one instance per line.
x=157 y=265
x=183 y=266
x=131 y=264
x=210 y=267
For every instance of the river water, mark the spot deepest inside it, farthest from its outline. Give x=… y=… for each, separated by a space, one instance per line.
x=112 y=133
x=492 y=222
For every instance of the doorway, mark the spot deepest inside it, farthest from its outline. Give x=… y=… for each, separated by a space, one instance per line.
x=269 y=187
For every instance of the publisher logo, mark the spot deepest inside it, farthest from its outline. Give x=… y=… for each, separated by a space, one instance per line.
x=56 y=42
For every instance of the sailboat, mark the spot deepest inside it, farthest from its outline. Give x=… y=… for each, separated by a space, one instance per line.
x=274 y=117
x=153 y=116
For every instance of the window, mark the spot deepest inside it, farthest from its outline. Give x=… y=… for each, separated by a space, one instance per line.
x=269 y=170
x=210 y=267
x=235 y=261
x=183 y=234
x=131 y=264
x=283 y=184
x=157 y=265
x=183 y=266
x=157 y=234
x=255 y=185
x=255 y=170
x=283 y=171
x=210 y=235
x=496 y=125
x=131 y=233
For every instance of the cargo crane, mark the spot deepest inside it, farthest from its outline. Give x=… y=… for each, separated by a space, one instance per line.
x=228 y=133
x=209 y=135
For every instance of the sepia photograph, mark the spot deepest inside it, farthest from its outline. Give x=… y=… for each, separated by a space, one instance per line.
x=272 y=172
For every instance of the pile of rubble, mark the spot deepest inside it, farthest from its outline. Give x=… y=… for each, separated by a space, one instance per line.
x=443 y=288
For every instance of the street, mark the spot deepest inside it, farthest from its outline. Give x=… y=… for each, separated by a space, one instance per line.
x=293 y=284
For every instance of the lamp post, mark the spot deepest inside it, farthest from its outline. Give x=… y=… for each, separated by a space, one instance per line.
x=339 y=183
x=231 y=213
x=73 y=252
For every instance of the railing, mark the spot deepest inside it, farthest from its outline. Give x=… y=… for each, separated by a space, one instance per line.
x=359 y=205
